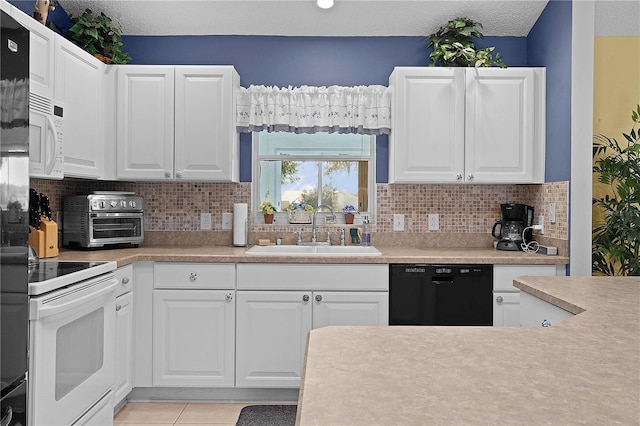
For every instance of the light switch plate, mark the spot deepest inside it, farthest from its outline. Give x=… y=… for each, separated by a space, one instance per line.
x=398 y=222
x=205 y=221
x=434 y=222
x=227 y=221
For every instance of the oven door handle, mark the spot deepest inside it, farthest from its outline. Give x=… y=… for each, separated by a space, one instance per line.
x=40 y=310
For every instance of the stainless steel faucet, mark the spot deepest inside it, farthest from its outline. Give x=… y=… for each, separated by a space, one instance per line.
x=314 y=239
x=342 y=240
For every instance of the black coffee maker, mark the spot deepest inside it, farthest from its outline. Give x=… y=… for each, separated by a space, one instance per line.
x=515 y=218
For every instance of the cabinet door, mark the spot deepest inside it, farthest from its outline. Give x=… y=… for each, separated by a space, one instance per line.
x=506 y=309
x=124 y=346
x=427 y=136
x=206 y=142
x=79 y=85
x=535 y=312
x=504 y=125
x=41 y=54
x=193 y=338
x=272 y=328
x=350 y=308
x=144 y=147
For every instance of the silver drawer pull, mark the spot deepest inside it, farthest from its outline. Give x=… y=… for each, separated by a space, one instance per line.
x=499 y=299
x=193 y=276
x=125 y=280
x=228 y=297
x=305 y=298
x=318 y=298
x=118 y=307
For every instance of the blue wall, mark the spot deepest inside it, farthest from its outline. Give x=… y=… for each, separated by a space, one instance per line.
x=549 y=45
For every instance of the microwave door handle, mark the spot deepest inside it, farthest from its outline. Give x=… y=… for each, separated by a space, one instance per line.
x=38 y=310
x=51 y=159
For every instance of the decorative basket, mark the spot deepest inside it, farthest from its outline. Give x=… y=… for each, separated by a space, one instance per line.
x=300 y=216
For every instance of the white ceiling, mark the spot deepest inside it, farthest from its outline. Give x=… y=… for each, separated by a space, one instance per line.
x=304 y=18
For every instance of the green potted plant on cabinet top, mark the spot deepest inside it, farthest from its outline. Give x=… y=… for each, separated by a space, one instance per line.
x=616 y=238
x=453 y=46
x=98 y=35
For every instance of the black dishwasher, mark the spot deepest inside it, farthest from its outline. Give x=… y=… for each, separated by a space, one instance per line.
x=440 y=294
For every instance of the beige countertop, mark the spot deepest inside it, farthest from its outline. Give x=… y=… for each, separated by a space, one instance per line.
x=584 y=370
x=237 y=255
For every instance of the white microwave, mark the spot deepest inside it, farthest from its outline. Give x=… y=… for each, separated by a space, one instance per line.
x=45 y=137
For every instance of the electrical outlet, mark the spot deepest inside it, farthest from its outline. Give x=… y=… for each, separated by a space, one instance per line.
x=434 y=222
x=227 y=221
x=398 y=222
x=205 y=221
x=541 y=223
x=552 y=212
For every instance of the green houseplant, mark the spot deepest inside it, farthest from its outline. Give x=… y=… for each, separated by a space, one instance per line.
x=616 y=239
x=98 y=35
x=453 y=46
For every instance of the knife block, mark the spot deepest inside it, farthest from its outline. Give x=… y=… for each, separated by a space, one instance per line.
x=50 y=234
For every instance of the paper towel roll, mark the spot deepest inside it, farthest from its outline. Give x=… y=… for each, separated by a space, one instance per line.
x=240 y=217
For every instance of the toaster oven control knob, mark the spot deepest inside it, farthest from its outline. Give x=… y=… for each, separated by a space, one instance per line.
x=103 y=204
x=132 y=204
x=123 y=204
x=113 y=203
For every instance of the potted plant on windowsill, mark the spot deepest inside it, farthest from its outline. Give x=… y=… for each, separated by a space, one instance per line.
x=349 y=212
x=98 y=35
x=267 y=210
x=453 y=46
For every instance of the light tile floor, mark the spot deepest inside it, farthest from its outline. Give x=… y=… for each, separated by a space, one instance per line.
x=179 y=413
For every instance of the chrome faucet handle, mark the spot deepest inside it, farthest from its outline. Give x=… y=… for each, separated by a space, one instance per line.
x=342 y=237
x=329 y=237
x=299 y=241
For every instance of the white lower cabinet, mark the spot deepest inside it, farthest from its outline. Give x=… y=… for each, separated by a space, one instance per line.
x=535 y=312
x=506 y=297
x=124 y=333
x=193 y=336
x=193 y=324
x=273 y=319
x=272 y=329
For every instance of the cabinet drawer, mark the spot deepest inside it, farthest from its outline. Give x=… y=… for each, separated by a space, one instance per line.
x=124 y=275
x=194 y=275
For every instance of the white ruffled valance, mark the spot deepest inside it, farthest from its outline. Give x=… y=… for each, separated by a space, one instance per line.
x=362 y=109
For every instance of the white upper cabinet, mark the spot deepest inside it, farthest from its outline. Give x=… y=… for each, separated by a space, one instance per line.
x=427 y=132
x=41 y=54
x=144 y=111
x=79 y=84
x=177 y=123
x=473 y=125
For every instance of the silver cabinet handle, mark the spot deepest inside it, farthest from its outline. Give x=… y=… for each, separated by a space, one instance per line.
x=318 y=298
x=499 y=299
x=459 y=176
x=179 y=175
x=470 y=176
x=193 y=276
x=167 y=175
x=125 y=280
x=228 y=297
x=305 y=298
x=118 y=307
x=545 y=323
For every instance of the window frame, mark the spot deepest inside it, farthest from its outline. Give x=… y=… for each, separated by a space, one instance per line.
x=255 y=172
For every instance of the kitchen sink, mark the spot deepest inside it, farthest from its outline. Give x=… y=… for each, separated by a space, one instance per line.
x=318 y=250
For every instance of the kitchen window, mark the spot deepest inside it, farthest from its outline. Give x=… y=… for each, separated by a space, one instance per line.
x=334 y=169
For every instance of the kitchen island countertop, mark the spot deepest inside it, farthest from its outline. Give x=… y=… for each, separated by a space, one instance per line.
x=584 y=370
x=223 y=254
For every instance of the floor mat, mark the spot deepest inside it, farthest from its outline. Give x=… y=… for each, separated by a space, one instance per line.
x=267 y=415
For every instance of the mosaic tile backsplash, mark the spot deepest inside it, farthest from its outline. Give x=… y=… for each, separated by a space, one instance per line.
x=462 y=208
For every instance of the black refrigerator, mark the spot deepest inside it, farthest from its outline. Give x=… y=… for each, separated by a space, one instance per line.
x=14 y=217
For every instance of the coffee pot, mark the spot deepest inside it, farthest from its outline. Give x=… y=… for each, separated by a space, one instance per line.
x=515 y=219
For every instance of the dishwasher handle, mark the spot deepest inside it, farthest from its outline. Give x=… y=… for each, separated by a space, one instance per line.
x=442 y=281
